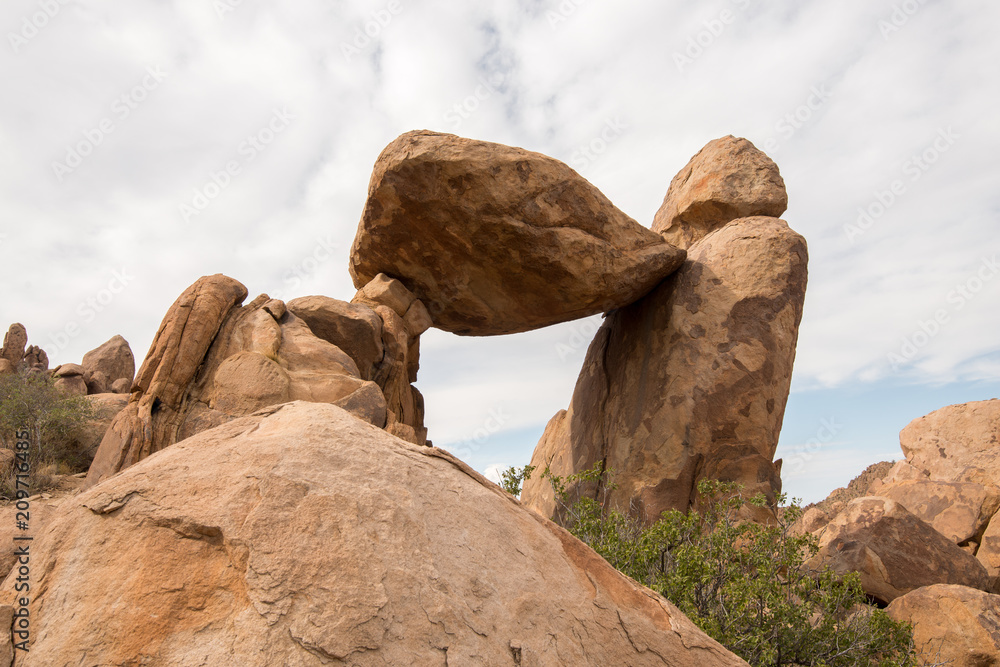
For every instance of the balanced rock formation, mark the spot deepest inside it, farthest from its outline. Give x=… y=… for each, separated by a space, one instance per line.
x=691 y=381
x=213 y=360
x=69 y=379
x=113 y=361
x=893 y=551
x=952 y=625
x=728 y=179
x=496 y=240
x=302 y=535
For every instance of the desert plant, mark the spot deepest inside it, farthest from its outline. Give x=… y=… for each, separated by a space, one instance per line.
x=743 y=583
x=512 y=479
x=30 y=401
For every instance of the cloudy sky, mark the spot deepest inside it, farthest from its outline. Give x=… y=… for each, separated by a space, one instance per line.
x=145 y=144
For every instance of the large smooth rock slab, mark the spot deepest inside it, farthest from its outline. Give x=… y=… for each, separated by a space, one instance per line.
x=303 y=536
x=952 y=625
x=893 y=551
x=691 y=381
x=948 y=442
x=728 y=179
x=957 y=510
x=497 y=240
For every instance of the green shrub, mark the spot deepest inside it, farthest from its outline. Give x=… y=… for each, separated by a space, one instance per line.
x=30 y=400
x=742 y=583
x=512 y=479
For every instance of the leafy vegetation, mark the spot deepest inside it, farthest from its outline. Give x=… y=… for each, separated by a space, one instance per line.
x=743 y=583
x=512 y=479
x=30 y=400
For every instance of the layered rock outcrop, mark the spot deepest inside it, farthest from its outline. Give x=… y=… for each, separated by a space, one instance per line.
x=401 y=555
x=213 y=360
x=495 y=240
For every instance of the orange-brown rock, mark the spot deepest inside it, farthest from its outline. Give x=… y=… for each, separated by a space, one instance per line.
x=114 y=359
x=728 y=179
x=948 y=442
x=495 y=240
x=304 y=536
x=957 y=510
x=952 y=625
x=893 y=551
x=354 y=328
x=105 y=408
x=691 y=381
x=14 y=342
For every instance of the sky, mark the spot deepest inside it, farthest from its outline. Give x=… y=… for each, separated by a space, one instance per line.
x=148 y=143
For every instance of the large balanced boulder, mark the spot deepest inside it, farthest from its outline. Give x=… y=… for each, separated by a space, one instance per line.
x=728 y=179
x=959 y=442
x=893 y=551
x=113 y=359
x=952 y=625
x=497 y=240
x=957 y=510
x=691 y=381
x=301 y=535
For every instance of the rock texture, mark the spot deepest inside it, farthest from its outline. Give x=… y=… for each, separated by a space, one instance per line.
x=304 y=536
x=959 y=442
x=952 y=625
x=498 y=240
x=106 y=407
x=214 y=360
x=691 y=381
x=957 y=510
x=14 y=342
x=893 y=551
x=113 y=359
x=728 y=179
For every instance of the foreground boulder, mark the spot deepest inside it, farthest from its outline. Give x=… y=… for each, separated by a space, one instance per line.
x=728 y=179
x=691 y=381
x=304 y=536
x=497 y=240
x=893 y=551
x=952 y=625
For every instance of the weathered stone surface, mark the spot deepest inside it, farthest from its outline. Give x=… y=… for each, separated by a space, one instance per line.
x=114 y=358
x=177 y=353
x=402 y=555
x=121 y=386
x=728 y=179
x=893 y=551
x=68 y=370
x=40 y=514
x=106 y=407
x=989 y=552
x=249 y=381
x=957 y=510
x=71 y=385
x=385 y=291
x=948 y=441
x=6 y=367
x=691 y=381
x=952 y=625
x=14 y=342
x=36 y=358
x=498 y=240
x=97 y=382
x=354 y=328
x=812 y=520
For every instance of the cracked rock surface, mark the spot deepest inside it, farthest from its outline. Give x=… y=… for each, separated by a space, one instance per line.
x=302 y=535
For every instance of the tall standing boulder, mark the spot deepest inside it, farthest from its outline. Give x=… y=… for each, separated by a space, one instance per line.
x=691 y=381
x=114 y=360
x=496 y=240
x=14 y=342
x=728 y=179
x=402 y=555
